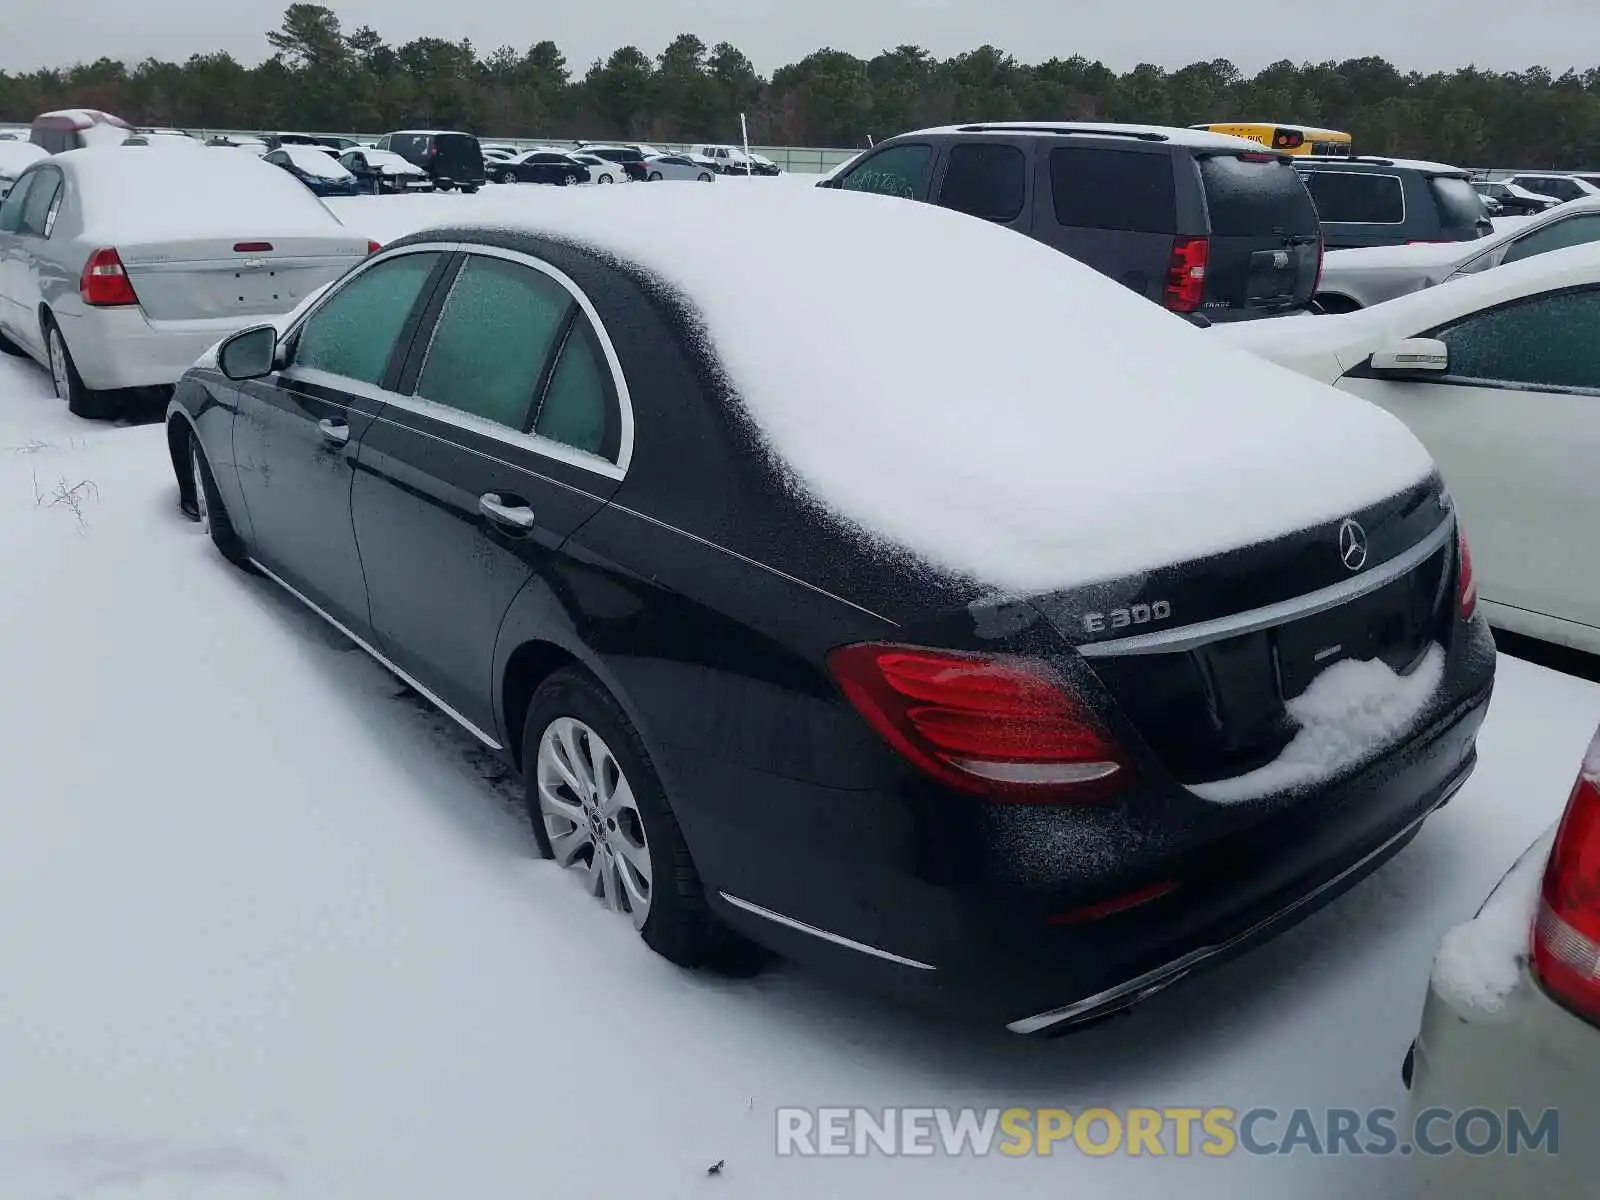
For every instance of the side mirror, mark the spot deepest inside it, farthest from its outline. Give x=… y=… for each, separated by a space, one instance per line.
x=249 y=354
x=1413 y=356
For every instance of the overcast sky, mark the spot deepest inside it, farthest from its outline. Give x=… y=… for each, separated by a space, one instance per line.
x=1421 y=34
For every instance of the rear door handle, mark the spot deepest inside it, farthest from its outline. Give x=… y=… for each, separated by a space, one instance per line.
x=335 y=433
x=507 y=512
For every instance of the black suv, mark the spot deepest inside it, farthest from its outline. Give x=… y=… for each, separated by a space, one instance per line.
x=451 y=159
x=1201 y=223
x=1365 y=201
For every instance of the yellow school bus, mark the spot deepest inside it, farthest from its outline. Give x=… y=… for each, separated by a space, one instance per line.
x=1286 y=139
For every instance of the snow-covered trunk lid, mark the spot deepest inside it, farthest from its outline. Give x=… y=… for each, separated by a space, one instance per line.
x=1274 y=666
x=221 y=277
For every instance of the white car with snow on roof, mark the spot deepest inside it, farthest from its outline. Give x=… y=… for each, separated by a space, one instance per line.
x=1509 y=1030
x=1030 y=742
x=119 y=267
x=1499 y=374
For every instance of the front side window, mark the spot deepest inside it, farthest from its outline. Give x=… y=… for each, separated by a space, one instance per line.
x=897 y=171
x=1574 y=231
x=1127 y=190
x=1543 y=342
x=353 y=334
x=494 y=334
x=985 y=180
x=1357 y=198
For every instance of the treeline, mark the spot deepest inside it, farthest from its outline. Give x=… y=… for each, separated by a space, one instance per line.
x=325 y=78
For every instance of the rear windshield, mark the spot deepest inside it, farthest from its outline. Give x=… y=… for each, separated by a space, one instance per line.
x=458 y=147
x=1255 y=196
x=1128 y=190
x=1459 y=202
x=1357 y=197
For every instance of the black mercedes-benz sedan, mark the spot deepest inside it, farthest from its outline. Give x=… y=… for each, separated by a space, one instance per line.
x=932 y=610
x=540 y=166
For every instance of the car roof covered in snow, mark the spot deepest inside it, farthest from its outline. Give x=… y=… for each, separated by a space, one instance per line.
x=126 y=192
x=1170 y=134
x=78 y=118
x=974 y=396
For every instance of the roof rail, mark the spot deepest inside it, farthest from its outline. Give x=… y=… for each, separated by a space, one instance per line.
x=1373 y=159
x=1141 y=135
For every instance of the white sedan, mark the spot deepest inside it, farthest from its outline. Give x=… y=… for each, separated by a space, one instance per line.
x=1499 y=375
x=121 y=266
x=677 y=166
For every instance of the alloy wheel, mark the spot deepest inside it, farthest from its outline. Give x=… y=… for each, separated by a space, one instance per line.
x=58 y=365
x=591 y=817
x=201 y=508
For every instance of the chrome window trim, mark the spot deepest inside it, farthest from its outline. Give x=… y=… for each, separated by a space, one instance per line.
x=532 y=442
x=1188 y=637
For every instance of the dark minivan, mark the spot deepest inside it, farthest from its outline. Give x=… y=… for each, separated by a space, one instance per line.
x=451 y=159
x=1367 y=201
x=1203 y=224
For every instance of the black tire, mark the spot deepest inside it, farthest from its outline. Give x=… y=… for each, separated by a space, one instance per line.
x=606 y=179
x=1332 y=304
x=680 y=925
x=81 y=401
x=7 y=346
x=705 y=177
x=213 y=511
x=655 y=177
x=568 y=180
x=470 y=191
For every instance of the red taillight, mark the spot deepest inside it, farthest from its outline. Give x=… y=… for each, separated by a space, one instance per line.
x=1186 y=273
x=1249 y=157
x=1466 y=585
x=252 y=247
x=997 y=726
x=1566 y=933
x=373 y=248
x=1106 y=908
x=104 y=283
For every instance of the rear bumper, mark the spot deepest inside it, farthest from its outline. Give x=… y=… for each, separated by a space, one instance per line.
x=1530 y=1055
x=957 y=908
x=122 y=348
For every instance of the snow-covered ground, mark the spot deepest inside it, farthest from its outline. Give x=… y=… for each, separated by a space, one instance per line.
x=269 y=928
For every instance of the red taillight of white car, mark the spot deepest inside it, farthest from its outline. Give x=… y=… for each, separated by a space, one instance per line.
x=104 y=284
x=1466 y=585
x=1566 y=933
x=997 y=726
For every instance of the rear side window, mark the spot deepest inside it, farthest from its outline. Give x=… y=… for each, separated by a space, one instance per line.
x=897 y=171
x=354 y=333
x=1253 y=196
x=577 y=408
x=494 y=334
x=1113 y=189
x=1358 y=198
x=36 y=211
x=985 y=180
x=1459 y=202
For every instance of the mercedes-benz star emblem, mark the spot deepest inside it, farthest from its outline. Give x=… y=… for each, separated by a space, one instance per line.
x=1352 y=544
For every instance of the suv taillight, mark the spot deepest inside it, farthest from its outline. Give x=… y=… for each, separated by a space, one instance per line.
x=1566 y=933
x=103 y=283
x=1466 y=585
x=997 y=726
x=1186 y=273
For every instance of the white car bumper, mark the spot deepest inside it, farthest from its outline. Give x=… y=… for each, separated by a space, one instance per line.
x=122 y=348
x=1498 y=1043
